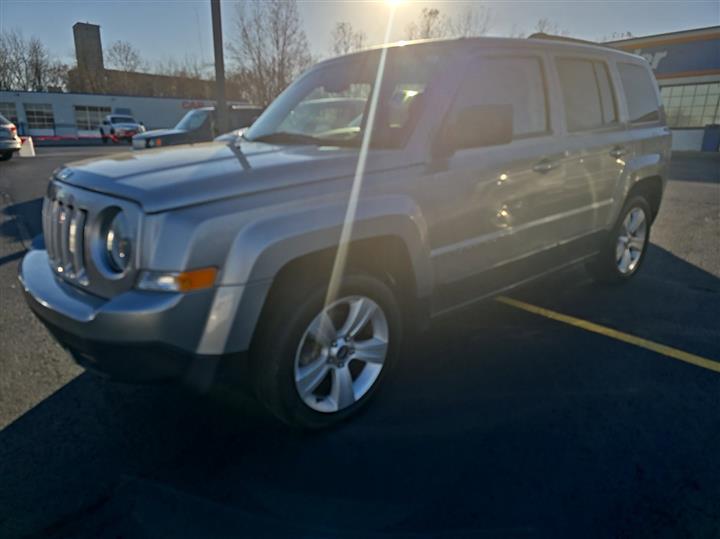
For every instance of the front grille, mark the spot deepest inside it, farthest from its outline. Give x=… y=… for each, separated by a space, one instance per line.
x=64 y=230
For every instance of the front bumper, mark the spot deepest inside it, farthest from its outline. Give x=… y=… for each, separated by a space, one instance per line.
x=135 y=336
x=125 y=135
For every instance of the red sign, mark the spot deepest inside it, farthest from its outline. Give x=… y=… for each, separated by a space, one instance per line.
x=194 y=104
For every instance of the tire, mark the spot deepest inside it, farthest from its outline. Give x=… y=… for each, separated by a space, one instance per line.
x=6 y=156
x=617 y=264
x=285 y=348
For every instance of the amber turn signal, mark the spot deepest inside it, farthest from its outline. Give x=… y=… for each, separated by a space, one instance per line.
x=196 y=279
x=185 y=281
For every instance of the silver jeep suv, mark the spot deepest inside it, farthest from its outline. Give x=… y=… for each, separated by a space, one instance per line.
x=304 y=251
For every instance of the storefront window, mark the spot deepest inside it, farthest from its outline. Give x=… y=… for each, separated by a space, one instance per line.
x=39 y=115
x=692 y=105
x=89 y=118
x=9 y=110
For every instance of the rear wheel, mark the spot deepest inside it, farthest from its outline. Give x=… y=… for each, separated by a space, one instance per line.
x=6 y=156
x=317 y=364
x=627 y=244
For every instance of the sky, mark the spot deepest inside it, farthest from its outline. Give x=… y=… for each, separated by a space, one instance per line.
x=174 y=29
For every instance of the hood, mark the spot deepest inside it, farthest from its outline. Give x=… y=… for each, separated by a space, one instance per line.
x=155 y=133
x=177 y=176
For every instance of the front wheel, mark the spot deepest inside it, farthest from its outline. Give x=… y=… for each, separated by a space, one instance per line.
x=625 y=249
x=317 y=364
x=6 y=156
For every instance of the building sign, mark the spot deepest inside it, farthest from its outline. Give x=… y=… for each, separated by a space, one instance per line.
x=195 y=104
x=681 y=58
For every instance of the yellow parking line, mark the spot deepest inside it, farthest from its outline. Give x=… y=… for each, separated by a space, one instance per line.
x=668 y=351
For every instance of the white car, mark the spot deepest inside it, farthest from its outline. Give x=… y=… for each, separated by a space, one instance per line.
x=120 y=127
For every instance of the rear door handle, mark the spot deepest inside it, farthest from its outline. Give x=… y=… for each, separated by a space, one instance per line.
x=544 y=166
x=618 y=151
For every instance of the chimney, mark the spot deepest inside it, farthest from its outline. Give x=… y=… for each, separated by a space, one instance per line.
x=88 y=48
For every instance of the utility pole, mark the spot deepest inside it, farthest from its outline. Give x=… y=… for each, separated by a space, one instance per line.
x=221 y=110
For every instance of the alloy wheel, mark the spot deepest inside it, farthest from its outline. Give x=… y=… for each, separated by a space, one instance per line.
x=341 y=354
x=631 y=241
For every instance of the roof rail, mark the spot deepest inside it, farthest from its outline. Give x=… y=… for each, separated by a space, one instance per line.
x=543 y=35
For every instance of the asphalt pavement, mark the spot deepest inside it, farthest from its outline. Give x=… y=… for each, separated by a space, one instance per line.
x=499 y=422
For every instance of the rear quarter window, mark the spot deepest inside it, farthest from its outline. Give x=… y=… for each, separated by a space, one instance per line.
x=640 y=96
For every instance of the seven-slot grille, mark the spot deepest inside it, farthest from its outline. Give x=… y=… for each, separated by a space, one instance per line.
x=64 y=230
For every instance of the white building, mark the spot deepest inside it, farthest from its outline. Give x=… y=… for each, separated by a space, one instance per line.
x=687 y=67
x=48 y=116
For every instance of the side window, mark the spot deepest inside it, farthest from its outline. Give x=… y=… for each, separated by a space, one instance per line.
x=607 y=96
x=515 y=81
x=642 y=102
x=587 y=94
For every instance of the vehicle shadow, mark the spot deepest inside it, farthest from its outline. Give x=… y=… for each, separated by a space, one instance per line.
x=24 y=220
x=497 y=423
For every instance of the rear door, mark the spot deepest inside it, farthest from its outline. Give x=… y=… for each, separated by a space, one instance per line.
x=595 y=143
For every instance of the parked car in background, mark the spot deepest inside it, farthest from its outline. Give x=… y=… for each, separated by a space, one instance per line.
x=120 y=128
x=9 y=140
x=198 y=125
x=492 y=162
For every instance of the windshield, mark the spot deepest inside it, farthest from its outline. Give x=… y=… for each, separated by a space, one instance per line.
x=192 y=120
x=123 y=120
x=328 y=105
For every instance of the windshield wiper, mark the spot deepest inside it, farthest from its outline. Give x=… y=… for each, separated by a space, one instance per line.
x=284 y=137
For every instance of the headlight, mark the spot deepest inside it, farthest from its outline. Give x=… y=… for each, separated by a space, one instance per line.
x=118 y=244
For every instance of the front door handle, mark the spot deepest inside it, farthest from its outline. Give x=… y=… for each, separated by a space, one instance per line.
x=618 y=151
x=544 y=166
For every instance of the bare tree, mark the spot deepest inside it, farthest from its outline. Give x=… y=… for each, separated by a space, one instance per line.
x=472 y=21
x=430 y=24
x=12 y=55
x=546 y=26
x=615 y=36
x=57 y=77
x=26 y=65
x=345 y=39
x=121 y=55
x=190 y=67
x=269 y=47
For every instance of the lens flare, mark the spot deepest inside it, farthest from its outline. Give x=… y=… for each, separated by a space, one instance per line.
x=351 y=211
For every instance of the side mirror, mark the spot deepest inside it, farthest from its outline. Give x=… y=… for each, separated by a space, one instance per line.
x=479 y=126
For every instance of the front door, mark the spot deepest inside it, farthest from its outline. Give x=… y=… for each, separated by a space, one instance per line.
x=495 y=205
